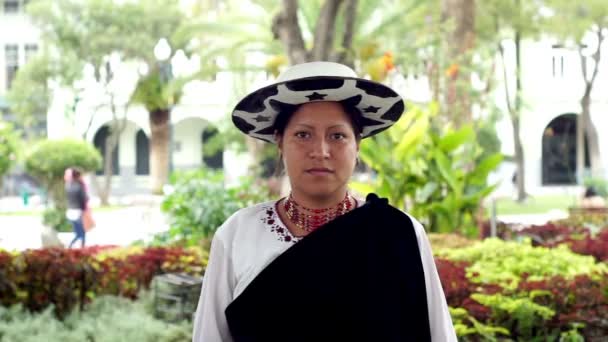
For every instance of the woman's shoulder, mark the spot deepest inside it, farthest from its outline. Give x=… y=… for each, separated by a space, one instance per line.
x=244 y=217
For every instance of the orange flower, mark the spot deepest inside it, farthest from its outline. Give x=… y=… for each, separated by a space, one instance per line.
x=452 y=70
x=387 y=58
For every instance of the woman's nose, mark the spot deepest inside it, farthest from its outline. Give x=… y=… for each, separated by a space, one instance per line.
x=320 y=149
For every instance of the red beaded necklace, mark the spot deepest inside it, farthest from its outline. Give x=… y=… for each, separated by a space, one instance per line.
x=310 y=219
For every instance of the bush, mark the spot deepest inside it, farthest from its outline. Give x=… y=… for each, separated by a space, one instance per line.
x=494 y=261
x=599 y=184
x=48 y=160
x=575 y=301
x=435 y=173
x=108 y=319
x=55 y=218
x=500 y=289
x=8 y=148
x=200 y=202
x=79 y=275
x=584 y=240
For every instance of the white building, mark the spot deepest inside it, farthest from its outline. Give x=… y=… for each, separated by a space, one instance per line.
x=19 y=40
x=552 y=85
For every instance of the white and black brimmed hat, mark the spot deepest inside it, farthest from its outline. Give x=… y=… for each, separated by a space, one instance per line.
x=379 y=105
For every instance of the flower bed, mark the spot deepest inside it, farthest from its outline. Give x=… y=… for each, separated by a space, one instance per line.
x=517 y=291
x=67 y=278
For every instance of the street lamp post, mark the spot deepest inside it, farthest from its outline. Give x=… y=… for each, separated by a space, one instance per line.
x=162 y=53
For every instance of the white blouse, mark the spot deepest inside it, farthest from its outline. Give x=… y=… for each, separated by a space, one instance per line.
x=251 y=239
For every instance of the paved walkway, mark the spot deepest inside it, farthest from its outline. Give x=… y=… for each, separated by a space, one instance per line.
x=138 y=221
x=536 y=219
x=115 y=227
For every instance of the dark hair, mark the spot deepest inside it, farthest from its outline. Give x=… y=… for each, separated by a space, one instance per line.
x=354 y=114
x=76 y=173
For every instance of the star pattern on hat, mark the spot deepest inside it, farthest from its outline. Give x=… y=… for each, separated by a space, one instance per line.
x=371 y=109
x=316 y=96
x=261 y=118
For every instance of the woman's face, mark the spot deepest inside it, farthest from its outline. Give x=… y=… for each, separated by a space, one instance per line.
x=319 y=148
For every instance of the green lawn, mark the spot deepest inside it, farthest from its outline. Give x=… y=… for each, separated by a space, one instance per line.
x=534 y=205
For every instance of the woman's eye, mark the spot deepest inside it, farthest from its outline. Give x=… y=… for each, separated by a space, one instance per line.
x=338 y=136
x=302 y=135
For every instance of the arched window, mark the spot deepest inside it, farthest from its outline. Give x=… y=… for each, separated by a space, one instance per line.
x=559 y=151
x=99 y=141
x=142 y=153
x=215 y=161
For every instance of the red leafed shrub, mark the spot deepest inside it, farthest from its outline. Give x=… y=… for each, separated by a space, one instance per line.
x=579 y=239
x=597 y=245
x=580 y=300
x=54 y=276
x=8 y=290
x=455 y=284
x=70 y=277
x=127 y=276
x=503 y=231
x=549 y=233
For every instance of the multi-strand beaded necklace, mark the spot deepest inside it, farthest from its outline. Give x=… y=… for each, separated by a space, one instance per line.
x=309 y=219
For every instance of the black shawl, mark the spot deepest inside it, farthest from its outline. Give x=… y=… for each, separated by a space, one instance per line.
x=358 y=278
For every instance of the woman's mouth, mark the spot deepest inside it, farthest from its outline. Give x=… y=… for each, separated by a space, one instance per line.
x=319 y=171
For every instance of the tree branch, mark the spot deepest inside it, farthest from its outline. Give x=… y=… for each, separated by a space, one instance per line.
x=324 y=30
x=504 y=72
x=345 y=56
x=285 y=27
x=596 y=56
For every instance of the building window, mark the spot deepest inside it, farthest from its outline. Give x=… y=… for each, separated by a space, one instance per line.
x=559 y=151
x=142 y=153
x=215 y=160
x=11 y=6
x=30 y=51
x=558 y=66
x=11 y=56
x=557 y=60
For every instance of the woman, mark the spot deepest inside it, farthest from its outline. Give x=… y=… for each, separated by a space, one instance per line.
x=321 y=265
x=77 y=203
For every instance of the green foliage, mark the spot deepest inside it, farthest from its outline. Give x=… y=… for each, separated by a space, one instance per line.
x=431 y=173
x=487 y=137
x=572 y=335
x=600 y=185
x=106 y=319
x=9 y=143
x=200 y=202
x=494 y=261
x=467 y=326
x=48 y=160
x=155 y=93
x=572 y=20
x=55 y=218
x=29 y=96
x=522 y=314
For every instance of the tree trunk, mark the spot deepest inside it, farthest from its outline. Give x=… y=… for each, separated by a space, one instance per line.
x=519 y=151
x=514 y=109
x=580 y=149
x=324 y=30
x=460 y=37
x=108 y=167
x=346 y=55
x=585 y=126
x=286 y=28
x=159 y=148
x=520 y=179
